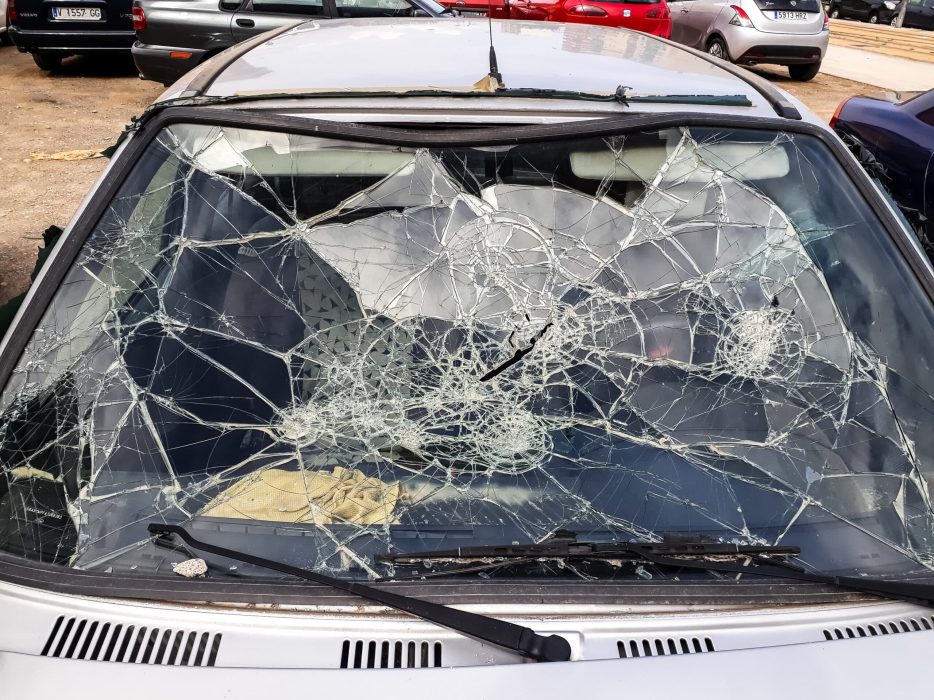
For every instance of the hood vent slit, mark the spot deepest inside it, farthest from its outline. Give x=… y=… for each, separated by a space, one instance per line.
x=634 y=648
x=95 y=641
x=911 y=624
x=390 y=654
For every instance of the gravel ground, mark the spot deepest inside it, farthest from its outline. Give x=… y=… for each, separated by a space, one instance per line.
x=87 y=104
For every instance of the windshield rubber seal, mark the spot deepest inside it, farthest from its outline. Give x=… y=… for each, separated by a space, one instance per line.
x=71 y=243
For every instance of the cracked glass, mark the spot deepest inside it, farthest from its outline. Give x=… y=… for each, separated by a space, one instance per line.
x=321 y=351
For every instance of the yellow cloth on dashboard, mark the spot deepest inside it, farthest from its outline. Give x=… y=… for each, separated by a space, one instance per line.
x=323 y=498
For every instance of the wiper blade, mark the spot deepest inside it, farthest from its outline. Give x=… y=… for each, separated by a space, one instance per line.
x=756 y=560
x=507 y=635
x=564 y=545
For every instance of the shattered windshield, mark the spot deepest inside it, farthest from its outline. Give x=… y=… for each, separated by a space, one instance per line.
x=322 y=351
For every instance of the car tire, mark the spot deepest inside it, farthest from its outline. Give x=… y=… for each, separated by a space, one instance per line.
x=873 y=18
x=48 y=61
x=894 y=21
x=834 y=13
x=804 y=71
x=716 y=48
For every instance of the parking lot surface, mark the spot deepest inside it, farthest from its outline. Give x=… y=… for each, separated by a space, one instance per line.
x=85 y=106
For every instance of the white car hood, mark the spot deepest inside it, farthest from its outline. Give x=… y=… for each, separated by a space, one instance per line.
x=871 y=668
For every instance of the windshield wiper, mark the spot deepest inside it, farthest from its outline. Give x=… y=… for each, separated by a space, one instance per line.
x=507 y=635
x=564 y=545
x=757 y=560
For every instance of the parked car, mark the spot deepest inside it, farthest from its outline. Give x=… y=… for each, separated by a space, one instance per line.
x=873 y=11
x=793 y=33
x=649 y=16
x=173 y=36
x=899 y=136
x=4 y=23
x=53 y=29
x=353 y=360
x=920 y=13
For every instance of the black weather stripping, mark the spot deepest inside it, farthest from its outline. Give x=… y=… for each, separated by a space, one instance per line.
x=516 y=638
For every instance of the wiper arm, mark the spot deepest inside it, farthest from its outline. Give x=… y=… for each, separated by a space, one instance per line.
x=690 y=554
x=507 y=635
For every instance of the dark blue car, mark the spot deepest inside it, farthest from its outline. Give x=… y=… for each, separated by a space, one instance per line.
x=896 y=141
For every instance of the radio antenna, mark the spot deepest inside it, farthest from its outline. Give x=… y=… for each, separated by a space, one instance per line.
x=494 y=68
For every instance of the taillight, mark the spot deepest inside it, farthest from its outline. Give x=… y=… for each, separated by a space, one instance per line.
x=11 y=11
x=139 y=19
x=660 y=12
x=826 y=27
x=587 y=11
x=836 y=113
x=740 y=19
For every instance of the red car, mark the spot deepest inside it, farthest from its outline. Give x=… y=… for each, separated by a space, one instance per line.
x=650 y=16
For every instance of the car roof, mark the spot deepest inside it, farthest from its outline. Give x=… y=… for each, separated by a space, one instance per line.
x=386 y=55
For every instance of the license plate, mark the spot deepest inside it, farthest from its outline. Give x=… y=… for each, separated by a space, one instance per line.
x=79 y=14
x=784 y=14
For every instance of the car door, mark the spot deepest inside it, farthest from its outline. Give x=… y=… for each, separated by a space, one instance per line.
x=855 y=8
x=687 y=21
x=913 y=14
x=259 y=16
x=926 y=20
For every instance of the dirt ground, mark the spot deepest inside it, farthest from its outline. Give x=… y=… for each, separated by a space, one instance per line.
x=87 y=104
x=84 y=106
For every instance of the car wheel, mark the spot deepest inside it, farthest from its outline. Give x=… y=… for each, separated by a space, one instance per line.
x=894 y=21
x=834 y=13
x=873 y=18
x=716 y=47
x=48 y=61
x=804 y=71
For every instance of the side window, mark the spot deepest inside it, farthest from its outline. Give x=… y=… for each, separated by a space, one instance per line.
x=374 y=8
x=313 y=8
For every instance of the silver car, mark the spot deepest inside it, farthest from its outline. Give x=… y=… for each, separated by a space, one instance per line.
x=4 y=23
x=174 y=36
x=792 y=33
x=392 y=357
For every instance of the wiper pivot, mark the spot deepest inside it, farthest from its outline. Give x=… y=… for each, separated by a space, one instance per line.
x=507 y=635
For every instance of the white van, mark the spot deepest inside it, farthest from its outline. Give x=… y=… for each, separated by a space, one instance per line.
x=383 y=363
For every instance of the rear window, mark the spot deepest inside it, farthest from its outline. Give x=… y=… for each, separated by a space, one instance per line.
x=320 y=350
